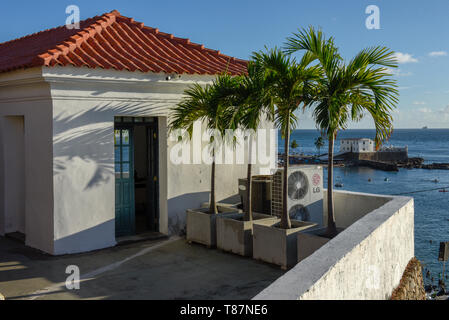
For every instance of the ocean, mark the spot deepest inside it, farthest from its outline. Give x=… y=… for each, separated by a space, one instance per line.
x=431 y=208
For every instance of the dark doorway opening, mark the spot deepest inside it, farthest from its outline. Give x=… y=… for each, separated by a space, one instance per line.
x=14 y=175
x=143 y=188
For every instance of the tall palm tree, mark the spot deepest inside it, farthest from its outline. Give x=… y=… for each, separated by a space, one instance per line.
x=210 y=105
x=319 y=143
x=289 y=84
x=348 y=91
x=252 y=102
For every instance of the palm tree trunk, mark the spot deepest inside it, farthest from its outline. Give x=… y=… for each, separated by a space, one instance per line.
x=213 y=204
x=249 y=189
x=249 y=186
x=331 y=227
x=285 y=218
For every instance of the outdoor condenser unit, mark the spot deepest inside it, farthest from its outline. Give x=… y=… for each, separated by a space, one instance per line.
x=261 y=193
x=304 y=196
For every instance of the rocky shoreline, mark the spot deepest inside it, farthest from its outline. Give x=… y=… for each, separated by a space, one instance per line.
x=418 y=163
x=411 y=286
x=411 y=163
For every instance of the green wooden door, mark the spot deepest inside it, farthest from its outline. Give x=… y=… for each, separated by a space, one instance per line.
x=124 y=182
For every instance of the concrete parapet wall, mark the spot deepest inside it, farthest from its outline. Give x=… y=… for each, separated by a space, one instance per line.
x=364 y=262
x=351 y=206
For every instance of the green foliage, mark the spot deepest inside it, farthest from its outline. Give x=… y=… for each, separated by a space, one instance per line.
x=209 y=104
x=349 y=91
x=294 y=144
x=288 y=83
x=319 y=143
x=251 y=99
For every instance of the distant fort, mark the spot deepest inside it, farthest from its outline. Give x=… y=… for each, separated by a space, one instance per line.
x=364 y=149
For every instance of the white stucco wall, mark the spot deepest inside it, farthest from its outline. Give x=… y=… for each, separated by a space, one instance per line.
x=68 y=151
x=357 y=145
x=189 y=185
x=365 y=262
x=25 y=94
x=85 y=103
x=349 y=207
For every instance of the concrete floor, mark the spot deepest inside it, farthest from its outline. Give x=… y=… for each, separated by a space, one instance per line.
x=154 y=270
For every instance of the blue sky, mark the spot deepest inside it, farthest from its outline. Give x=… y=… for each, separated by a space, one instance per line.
x=417 y=29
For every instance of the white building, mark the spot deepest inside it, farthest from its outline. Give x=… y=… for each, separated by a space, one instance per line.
x=357 y=145
x=84 y=150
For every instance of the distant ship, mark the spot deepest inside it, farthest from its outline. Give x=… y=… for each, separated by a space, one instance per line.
x=425 y=128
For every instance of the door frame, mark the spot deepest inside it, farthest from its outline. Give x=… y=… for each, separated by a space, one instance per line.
x=153 y=185
x=153 y=213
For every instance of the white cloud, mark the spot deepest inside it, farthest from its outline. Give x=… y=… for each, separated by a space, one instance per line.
x=419 y=103
x=437 y=53
x=445 y=111
x=444 y=114
x=397 y=72
x=404 y=57
x=425 y=110
x=420 y=116
x=438 y=113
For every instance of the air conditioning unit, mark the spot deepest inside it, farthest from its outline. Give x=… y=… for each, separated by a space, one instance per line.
x=304 y=196
x=261 y=194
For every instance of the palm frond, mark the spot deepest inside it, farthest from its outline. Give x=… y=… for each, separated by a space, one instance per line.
x=347 y=92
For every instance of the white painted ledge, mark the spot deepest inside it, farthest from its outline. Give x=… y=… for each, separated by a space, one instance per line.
x=365 y=262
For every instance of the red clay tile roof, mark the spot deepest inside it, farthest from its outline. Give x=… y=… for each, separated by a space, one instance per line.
x=112 y=41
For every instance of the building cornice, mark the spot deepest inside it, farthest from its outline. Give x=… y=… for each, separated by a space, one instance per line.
x=103 y=76
x=72 y=83
x=22 y=77
x=109 y=99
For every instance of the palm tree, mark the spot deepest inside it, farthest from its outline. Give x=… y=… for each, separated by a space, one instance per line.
x=294 y=145
x=289 y=84
x=210 y=105
x=319 y=143
x=252 y=102
x=348 y=91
